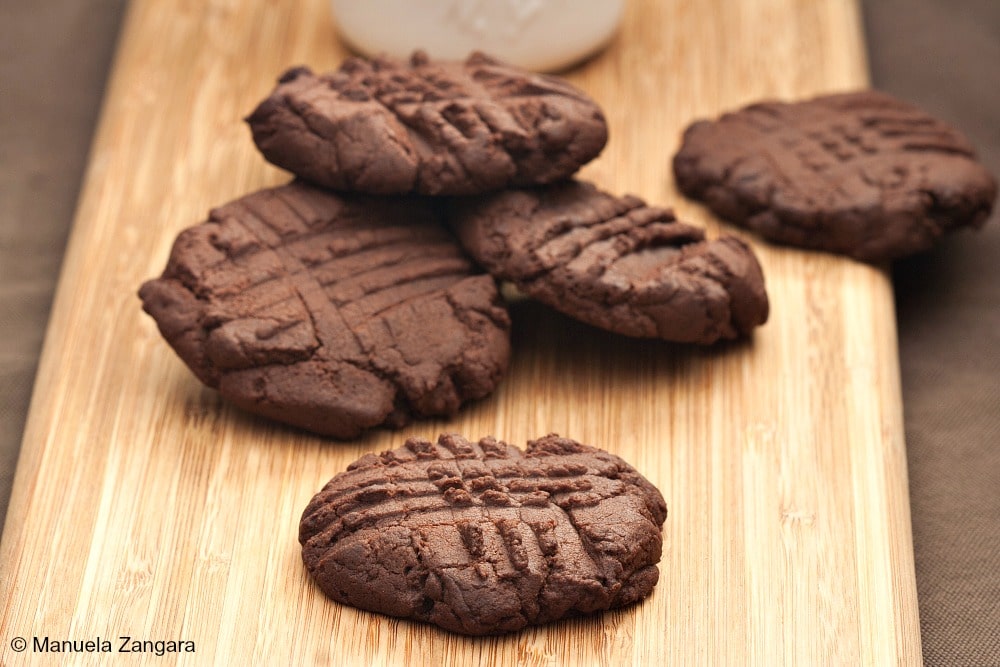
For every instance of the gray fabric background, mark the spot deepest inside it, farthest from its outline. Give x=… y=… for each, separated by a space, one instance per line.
x=944 y=56
x=940 y=54
x=54 y=58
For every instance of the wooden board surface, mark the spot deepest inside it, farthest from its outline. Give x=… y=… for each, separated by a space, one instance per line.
x=143 y=506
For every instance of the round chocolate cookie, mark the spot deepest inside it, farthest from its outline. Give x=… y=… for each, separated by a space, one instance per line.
x=861 y=174
x=331 y=313
x=480 y=538
x=615 y=262
x=385 y=126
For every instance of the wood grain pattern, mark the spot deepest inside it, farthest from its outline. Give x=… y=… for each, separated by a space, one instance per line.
x=143 y=506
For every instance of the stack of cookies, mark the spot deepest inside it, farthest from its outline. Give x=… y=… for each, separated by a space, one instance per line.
x=364 y=293
x=356 y=296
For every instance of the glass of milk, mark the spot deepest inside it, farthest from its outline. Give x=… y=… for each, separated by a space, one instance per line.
x=542 y=35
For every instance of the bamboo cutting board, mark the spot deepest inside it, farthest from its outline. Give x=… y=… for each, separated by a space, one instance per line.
x=144 y=507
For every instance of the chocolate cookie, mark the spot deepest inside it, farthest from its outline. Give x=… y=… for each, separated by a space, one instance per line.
x=331 y=313
x=443 y=128
x=615 y=262
x=861 y=174
x=479 y=538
